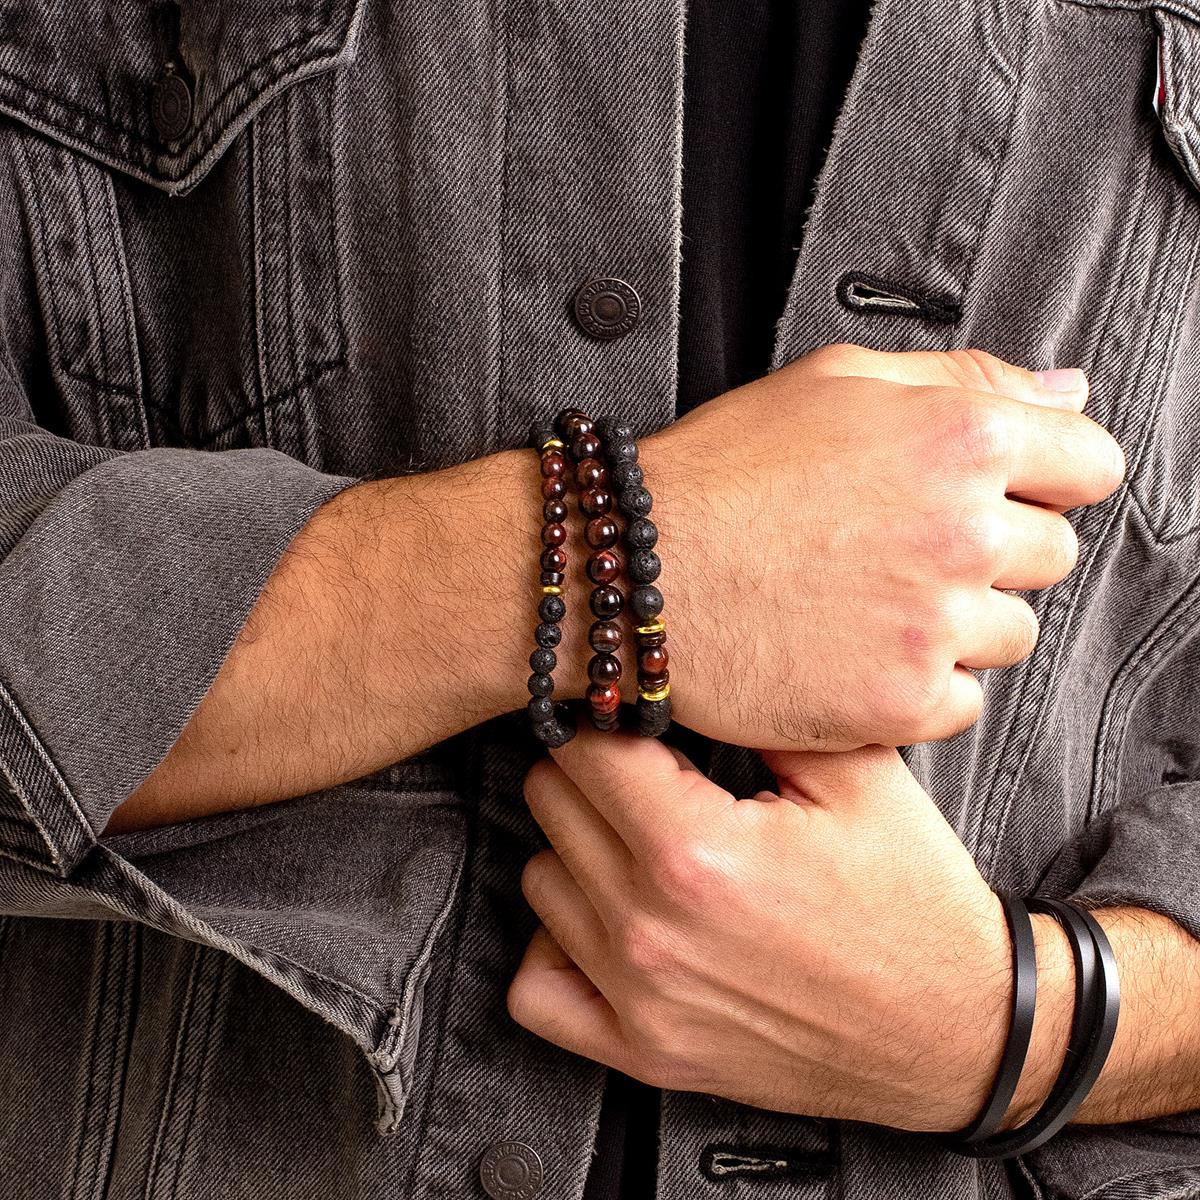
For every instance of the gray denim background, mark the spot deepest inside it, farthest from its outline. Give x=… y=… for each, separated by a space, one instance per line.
x=358 y=260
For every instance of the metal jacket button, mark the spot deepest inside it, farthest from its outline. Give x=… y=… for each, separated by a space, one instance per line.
x=607 y=308
x=171 y=105
x=511 y=1171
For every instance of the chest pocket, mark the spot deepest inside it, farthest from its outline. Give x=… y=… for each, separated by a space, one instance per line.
x=176 y=172
x=1157 y=410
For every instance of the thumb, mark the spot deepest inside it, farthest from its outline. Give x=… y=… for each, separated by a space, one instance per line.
x=1064 y=387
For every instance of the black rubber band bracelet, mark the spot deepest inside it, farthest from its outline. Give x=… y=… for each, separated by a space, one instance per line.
x=1093 y=1028
x=1020 y=1027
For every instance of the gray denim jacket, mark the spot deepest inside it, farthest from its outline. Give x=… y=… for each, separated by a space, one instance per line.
x=341 y=241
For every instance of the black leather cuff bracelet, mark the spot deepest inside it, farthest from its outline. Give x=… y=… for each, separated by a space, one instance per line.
x=1020 y=1027
x=1093 y=1028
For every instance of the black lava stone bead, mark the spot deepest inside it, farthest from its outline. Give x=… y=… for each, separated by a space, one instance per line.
x=654 y=716
x=626 y=475
x=554 y=733
x=636 y=502
x=552 y=609
x=622 y=451
x=548 y=634
x=540 y=685
x=646 y=602
x=543 y=660
x=606 y=603
x=613 y=429
x=541 y=709
x=641 y=533
x=541 y=435
x=644 y=566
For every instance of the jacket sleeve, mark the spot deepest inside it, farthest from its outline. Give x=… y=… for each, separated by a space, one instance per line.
x=1143 y=852
x=124 y=580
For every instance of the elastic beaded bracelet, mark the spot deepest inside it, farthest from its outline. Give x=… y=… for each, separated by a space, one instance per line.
x=644 y=566
x=603 y=567
x=550 y=724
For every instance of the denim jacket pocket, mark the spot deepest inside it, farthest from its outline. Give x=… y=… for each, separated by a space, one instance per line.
x=176 y=171
x=1164 y=449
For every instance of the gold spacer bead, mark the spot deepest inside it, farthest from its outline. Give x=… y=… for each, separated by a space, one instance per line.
x=653 y=627
x=660 y=694
x=551 y=589
x=553 y=444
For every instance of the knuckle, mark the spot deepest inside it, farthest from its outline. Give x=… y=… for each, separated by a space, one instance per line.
x=521 y=1001
x=689 y=872
x=909 y=699
x=967 y=541
x=978 y=436
x=1026 y=630
x=533 y=876
x=644 y=946
x=1065 y=546
x=974 y=368
x=837 y=358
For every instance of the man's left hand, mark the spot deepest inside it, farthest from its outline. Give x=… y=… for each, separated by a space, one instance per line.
x=831 y=950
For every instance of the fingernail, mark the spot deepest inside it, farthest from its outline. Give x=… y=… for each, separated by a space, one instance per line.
x=1063 y=379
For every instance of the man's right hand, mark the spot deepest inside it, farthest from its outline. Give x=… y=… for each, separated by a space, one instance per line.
x=839 y=540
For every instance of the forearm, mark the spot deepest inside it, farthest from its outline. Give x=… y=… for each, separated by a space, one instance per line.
x=1154 y=1065
x=397 y=618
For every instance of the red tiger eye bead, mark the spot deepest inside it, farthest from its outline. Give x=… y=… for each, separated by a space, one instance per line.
x=604 y=669
x=554 y=559
x=604 y=698
x=554 y=535
x=591 y=473
x=605 y=637
x=553 y=463
x=572 y=423
x=601 y=532
x=554 y=487
x=595 y=502
x=603 y=567
x=586 y=445
x=653 y=660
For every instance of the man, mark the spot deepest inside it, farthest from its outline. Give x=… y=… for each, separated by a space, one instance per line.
x=267 y=818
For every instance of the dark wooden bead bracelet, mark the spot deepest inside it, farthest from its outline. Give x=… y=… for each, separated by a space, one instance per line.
x=551 y=723
x=586 y=448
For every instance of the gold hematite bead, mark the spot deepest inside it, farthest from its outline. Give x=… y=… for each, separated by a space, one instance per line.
x=553 y=444
x=657 y=694
x=653 y=627
x=551 y=589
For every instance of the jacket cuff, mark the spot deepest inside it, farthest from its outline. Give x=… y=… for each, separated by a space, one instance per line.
x=118 y=605
x=1142 y=853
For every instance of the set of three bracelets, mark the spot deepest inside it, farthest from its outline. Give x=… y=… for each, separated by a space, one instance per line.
x=600 y=459
x=1093 y=1028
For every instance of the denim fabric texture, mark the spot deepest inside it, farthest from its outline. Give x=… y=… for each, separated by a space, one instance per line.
x=358 y=260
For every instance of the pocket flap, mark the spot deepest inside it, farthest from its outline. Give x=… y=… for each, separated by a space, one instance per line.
x=1177 y=87
x=158 y=91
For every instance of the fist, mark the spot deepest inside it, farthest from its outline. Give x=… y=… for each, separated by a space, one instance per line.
x=841 y=539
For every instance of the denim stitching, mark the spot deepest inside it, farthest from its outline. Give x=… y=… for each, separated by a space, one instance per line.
x=218 y=995
x=1185 y=1175
x=991 y=835
x=167 y=1104
x=994 y=806
x=136 y=136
